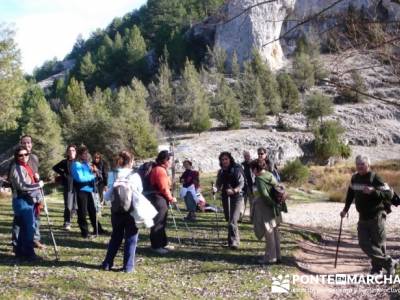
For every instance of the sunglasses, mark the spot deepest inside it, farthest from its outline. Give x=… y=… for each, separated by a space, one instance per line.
x=23 y=154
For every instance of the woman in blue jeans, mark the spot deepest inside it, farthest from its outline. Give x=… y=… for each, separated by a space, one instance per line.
x=123 y=223
x=26 y=194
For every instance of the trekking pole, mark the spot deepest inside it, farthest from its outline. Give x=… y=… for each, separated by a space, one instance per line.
x=176 y=227
x=216 y=208
x=338 y=242
x=49 y=225
x=186 y=224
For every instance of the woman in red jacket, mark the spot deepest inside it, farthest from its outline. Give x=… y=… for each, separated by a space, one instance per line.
x=160 y=198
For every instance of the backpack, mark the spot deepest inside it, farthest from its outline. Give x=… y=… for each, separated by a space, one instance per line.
x=121 y=196
x=144 y=172
x=391 y=198
x=279 y=194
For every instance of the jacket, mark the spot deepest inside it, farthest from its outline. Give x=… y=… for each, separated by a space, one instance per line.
x=83 y=176
x=22 y=185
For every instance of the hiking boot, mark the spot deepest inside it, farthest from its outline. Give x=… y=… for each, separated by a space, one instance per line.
x=234 y=247
x=169 y=247
x=391 y=270
x=375 y=271
x=190 y=217
x=105 y=267
x=33 y=258
x=39 y=245
x=160 y=250
x=265 y=261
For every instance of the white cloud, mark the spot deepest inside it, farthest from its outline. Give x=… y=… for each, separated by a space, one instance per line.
x=49 y=28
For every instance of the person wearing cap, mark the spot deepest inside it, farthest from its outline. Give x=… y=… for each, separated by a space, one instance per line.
x=161 y=198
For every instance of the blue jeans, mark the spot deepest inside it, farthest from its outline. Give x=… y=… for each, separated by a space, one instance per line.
x=15 y=230
x=123 y=227
x=25 y=216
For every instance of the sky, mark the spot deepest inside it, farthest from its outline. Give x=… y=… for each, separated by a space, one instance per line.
x=48 y=28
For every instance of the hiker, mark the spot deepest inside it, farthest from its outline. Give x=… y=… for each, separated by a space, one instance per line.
x=230 y=181
x=161 y=198
x=63 y=169
x=101 y=183
x=370 y=194
x=249 y=182
x=190 y=188
x=27 y=196
x=33 y=161
x=262 y=153
x=266 y=212
x=123 y=223
x=84 y=177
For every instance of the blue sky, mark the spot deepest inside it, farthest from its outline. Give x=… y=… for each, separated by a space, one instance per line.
x=49 y=28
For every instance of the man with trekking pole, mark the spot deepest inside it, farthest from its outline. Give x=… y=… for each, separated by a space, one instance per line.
x=230 y=181
x=372 y=198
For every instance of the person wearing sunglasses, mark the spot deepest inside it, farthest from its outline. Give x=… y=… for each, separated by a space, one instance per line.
x=271 y=166
x=27 y=195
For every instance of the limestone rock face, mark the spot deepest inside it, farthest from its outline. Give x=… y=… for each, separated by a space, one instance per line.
x=242 y=29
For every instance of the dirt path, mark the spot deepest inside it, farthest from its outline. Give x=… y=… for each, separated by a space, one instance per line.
x=318 y=259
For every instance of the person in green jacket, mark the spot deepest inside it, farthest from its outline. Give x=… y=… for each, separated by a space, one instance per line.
x=266 y=213
x=370 y=194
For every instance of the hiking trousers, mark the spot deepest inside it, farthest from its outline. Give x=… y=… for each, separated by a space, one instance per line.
x=232 y=215
x=124 y=227
x=191 y=205
x=273 y=244
x=158 y=236
x=85 y=206
x=372 y=240
x=25 y=218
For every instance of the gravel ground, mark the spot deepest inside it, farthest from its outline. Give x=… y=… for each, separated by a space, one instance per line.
x=326 y=215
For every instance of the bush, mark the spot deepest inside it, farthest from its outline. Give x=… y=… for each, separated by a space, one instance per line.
x=327 y=141
x=295 y=172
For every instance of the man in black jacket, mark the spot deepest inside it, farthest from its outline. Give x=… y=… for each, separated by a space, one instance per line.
x=370 y=194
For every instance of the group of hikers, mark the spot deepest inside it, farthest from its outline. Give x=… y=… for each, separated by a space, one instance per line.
x=145 y=194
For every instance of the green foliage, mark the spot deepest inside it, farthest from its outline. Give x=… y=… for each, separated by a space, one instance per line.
x=226 y=106
x=289 y=93
x=268 y=83
x=193 y=100
x=49 y=68
x=303 y=71
x=246 y=90
x=41 y=123
x=162 y=98
x=110 y=122
x=295 y=172
x=76 y=95
x=261 y=111
x=12 y=83
x=327 y=141
x=218 y=59
x=351 y=94
x=235 y=66
x=317 y=106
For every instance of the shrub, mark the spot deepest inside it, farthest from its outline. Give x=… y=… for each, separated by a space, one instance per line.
x=295 y=172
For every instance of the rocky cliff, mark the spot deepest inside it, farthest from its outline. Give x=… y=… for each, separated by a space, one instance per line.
x=273 y=27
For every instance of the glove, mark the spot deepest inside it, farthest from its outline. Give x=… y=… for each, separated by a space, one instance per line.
x=41 y=184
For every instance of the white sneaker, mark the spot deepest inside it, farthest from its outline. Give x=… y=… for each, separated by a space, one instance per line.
x=160 y=250
x=169 y=247
x=67 y=227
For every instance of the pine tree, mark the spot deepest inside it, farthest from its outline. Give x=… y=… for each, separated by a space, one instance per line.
x=227 y=107
x=268 y=83
x=76 y=95
x=12 y=83
x=193 y=100
x=289 y=93
x=245 y=90
x=261 y=112
x=235 y=66
x=87 y=71
x=41 y=123
x=303 y=71
x=317 y=106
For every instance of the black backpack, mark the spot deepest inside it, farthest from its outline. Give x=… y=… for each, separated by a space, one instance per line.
x=144 y=172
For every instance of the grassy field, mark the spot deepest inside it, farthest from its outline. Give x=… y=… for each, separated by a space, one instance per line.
x=193 y=271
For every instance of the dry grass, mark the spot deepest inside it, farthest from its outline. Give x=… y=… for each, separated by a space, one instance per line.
x=335 y=180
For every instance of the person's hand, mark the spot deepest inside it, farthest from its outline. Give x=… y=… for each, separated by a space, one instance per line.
x=230 y=192
x=214 y=189
x=41 y=184
x=343 y=213
x=174 y=200
x=368 y=190
x=36 y=176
